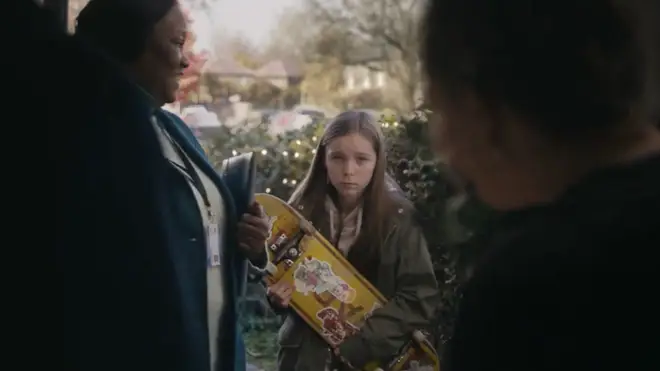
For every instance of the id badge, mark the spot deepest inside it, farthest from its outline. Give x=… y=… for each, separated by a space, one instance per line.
x=213 y=247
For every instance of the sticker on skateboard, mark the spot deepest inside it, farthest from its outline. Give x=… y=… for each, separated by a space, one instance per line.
x=271 y=223
x=270 y=267
x=316 y=276
x=334 y=329
x=330 y=295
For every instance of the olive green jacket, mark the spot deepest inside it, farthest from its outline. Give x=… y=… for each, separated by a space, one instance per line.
x=404 y=276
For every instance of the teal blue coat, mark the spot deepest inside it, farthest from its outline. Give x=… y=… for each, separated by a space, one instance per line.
x=232 y=351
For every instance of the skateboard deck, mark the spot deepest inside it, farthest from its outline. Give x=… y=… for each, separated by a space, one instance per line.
x=329 y=293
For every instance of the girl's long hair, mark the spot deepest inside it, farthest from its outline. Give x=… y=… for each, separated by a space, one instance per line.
x=379 y=197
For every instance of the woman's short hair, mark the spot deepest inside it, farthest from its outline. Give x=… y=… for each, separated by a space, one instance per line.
x=121 y=27
x=567 y=65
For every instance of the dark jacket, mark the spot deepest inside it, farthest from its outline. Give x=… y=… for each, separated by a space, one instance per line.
x=404 y=275
x=119 y=302
x=568 y=285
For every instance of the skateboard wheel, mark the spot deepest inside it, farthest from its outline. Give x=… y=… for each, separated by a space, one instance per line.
x=293 y=252
x=418 y=336
x=288 y=262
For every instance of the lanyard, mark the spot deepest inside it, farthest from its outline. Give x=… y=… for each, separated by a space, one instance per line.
x=192 y=174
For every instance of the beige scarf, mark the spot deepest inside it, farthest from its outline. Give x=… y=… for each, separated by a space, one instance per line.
x=350 y=226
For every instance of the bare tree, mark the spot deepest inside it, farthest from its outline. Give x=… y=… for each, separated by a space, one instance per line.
x=298 y=35
x=321 y=49
x=389 y=25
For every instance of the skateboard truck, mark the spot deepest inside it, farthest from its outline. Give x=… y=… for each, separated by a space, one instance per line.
x=288 y=250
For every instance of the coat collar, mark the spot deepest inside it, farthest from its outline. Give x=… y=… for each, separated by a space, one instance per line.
x=184 y=137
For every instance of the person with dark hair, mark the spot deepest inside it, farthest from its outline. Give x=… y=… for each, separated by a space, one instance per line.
x=117 y=274
x=540 y=107
x=207 y=244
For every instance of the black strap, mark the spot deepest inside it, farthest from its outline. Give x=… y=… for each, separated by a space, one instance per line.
x=190 y=171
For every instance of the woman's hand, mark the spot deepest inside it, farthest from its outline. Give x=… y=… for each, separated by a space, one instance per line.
x=253 y=231
x=279 y=294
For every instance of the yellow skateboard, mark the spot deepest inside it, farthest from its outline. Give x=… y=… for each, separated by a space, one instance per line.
x=329 y=293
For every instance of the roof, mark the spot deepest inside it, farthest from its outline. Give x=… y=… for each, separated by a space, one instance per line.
x=227 y=66
x=279 y=68
x=367 y=53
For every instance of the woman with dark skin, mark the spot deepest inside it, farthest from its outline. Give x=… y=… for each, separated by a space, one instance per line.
x=208 y=245
x=540 y=107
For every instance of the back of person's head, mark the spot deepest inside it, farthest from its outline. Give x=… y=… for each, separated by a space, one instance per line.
x=566 y=65
x=121 y=27
x=529 y=96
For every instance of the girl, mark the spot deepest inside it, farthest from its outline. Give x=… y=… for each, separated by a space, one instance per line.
x=354 y=204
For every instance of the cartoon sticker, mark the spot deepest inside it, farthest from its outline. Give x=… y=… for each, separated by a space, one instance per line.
x=333 y=328
x=271 y=223
x=371 y=311
x=270 y=267
x=313 y=275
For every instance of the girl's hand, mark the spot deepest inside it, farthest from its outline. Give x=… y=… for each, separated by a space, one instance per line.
x=280 y=293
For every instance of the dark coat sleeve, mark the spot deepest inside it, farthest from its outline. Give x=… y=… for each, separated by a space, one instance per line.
x=411 y=308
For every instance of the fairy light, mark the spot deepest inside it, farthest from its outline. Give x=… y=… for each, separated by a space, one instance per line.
x=234 y=153
x=294 y=182
x=296 y=155
x=298 y=142
x=314 y=151
x=314 y=138
x=264 y=152
x=285 y=153
x=267 y=190
x=285 y=181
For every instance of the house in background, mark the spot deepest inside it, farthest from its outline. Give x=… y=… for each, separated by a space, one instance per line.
x=226 y=69
x=279 y=73
x=365 y=70
x=368 y=83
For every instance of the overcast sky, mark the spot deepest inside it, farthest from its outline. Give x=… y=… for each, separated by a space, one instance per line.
x=254 y=19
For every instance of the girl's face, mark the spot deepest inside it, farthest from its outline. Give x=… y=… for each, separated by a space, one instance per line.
x=350 y=161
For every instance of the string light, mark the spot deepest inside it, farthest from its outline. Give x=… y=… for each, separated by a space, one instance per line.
x=267 y=190
x=264 y=152
x=314 y=138
x=294 y=182
x=285 y=181
x=285 y=153
x=234 y=153
x=296 y=155
x=298 y=142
